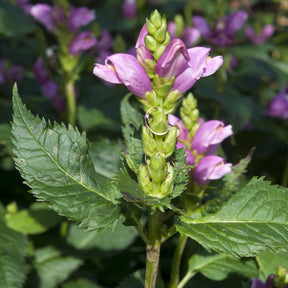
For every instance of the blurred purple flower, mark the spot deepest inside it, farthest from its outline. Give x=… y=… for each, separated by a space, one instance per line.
x=189 y=35
x=278 y=106
x=40 y=72
x=82 y=42
x=129 y=9
x=79 y=17
x=222 y=34
x=25 y=5
x=51 y=92
x=257 y=39
x=210 y=167
x=257 y=283
x=10 y=72
x=43 y=14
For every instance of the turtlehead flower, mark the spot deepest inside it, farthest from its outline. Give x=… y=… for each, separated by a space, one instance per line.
x=129 y=9
x=278 y=106
x=82 y=42
x=79 y=17
x=189 y=35
x=210 y=168
x=43 y=14
x=204 y=143
x=222 y=34
x=186 y=65
x=262 y=37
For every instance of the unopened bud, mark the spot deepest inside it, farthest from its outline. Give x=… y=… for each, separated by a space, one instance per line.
x=151 y=43
x=151 y=29
x=160 y=34
x=167 y=184
x=149 y=144
x=157 y=171
x=156 y=19
x=169 y=142
x=144 y=179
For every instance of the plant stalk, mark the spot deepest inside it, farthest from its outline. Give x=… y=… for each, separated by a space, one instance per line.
x=177 y=261
x=71 y=102
x=152 y=250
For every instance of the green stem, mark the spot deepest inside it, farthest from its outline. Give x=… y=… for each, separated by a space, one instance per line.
x=152 y=250
x=284 y=180
x=184 y=281
x=177 y=261
x=71 y=102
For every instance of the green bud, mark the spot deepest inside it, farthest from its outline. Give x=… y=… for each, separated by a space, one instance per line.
x=151 y=43
x=167 y=39
x=281 y=277
x=190 y=101
x=156 y=19
x=158 y=122
x=157 y=171
x=157 y=54
x=188 y=123
x=150 y=97
x=149 y=143
x=144 y=179
x=167 y=184
x=160 y=34
x=150 y=64
x=195 y=115
x=194 y=129
x=169 y=142
x=186 y=110
x=173 y=96
x=151 y=29
x=180 y=24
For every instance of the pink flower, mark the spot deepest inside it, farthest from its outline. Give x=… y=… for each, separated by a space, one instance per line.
x=257 y=39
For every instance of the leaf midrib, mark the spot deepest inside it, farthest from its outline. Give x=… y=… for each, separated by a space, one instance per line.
x=52 y=158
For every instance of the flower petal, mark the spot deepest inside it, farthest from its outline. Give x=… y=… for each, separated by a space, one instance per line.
x=106 y=72
x=141 y=37
x=213 y=64
x=173 y=60
x=202 y=25
x=236 y=21
x=43 y=14
x=175 y=121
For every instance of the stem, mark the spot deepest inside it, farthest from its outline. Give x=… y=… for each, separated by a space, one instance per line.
x=71 y=102
x=152 y=250
x=177 y=261
x=284 y=180
x=187 y=277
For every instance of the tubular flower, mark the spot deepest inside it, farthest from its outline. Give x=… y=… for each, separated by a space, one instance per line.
x=210 y=167
x=124 y=69
x=278 y=106
x=186 y=65
x=222 y=34
x=262 y=37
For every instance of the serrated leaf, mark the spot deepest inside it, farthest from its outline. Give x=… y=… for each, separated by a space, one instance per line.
x=53 y=268
x=105 y=155
x=14 y=21
x=13 y=249
x=218 y=266
x=55 y=162
x=269 y=262
x=37 y=219
x=252 y=220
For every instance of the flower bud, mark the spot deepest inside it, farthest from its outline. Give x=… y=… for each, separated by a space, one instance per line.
x=157 y=168
x=160 y=34
x=167 y=184
x=151 y=29
x=158 y=123
x=169 y=142
x=144 y=179
x=149 y=143
x=151 y=43
x=156 y=19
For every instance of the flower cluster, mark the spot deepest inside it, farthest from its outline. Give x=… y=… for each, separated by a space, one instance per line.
x=222 y=33
x=56 y=19
x=201 y=142
x=160 y=73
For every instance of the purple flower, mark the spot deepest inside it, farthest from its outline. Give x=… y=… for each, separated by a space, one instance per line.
x=43 y=14
x=129 y=9
x=79 y=17
x=257 y=39
x=209 y=135
x=10 y=72
x=210 y=167
x=82 y=42
x=40 y=72
x=257 y=283
x=51 y=92
x=124 y=69
x=278 y=106
x=222 y=34
x=187 y=66
x=189 y=35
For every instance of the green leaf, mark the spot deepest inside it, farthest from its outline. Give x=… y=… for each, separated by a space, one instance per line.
x=13 y=249
x=120 y=238
x=92 y=118
x=13 y=20
x=55 y=162
x=218 y=266
x=105 y=156
x=53 y=268
x=269 y=262
x=37 y=219
x=252 y=220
